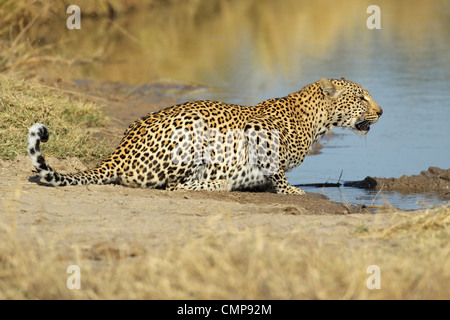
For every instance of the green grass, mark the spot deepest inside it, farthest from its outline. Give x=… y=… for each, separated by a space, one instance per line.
x=68 y=119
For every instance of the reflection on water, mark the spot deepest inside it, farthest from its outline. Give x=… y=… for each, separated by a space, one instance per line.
x=251 y=50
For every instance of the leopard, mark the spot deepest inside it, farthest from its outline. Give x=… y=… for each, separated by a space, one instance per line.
x=217 y=146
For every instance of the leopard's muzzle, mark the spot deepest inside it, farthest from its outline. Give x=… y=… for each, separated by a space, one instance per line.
x=363 y=125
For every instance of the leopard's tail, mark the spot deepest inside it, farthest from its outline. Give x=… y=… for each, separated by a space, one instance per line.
x=37 y=133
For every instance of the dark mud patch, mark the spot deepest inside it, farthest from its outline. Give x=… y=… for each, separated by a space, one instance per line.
x=432 y=180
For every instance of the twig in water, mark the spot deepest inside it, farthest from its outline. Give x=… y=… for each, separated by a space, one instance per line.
x=379 y=191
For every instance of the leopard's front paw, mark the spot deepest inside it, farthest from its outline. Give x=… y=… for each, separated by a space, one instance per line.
x=291 y=190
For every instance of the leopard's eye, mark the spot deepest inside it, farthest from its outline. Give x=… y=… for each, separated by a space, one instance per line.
x=364 y=98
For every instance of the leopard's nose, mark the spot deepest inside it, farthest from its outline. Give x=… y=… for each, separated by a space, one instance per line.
x=378 y=110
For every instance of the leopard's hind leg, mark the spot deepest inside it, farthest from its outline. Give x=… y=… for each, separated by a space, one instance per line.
x=214 y=185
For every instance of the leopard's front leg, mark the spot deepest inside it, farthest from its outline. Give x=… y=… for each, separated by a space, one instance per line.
x=281 y=184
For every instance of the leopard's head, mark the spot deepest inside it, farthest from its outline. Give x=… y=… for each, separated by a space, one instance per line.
x=350 y=105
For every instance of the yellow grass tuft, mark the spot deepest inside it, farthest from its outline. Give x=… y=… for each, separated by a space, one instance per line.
x=24 y=103
x=415 y=224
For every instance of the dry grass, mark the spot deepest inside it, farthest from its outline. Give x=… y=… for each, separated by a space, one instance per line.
x=28 y=28
x=415 y=225
x=230 y=263
x=24 y=103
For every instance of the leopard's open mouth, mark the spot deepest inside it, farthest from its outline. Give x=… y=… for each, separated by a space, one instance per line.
x=363 y=125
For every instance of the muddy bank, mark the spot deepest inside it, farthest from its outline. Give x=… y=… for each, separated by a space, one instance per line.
x=432 y=180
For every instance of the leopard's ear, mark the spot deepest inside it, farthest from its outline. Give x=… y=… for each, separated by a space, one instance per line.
x=329 y=89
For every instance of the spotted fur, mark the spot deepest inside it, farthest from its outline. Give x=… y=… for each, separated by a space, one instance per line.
x=212 y=145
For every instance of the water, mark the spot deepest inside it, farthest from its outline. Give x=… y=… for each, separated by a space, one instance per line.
x=374 y=199
x=249 y=51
